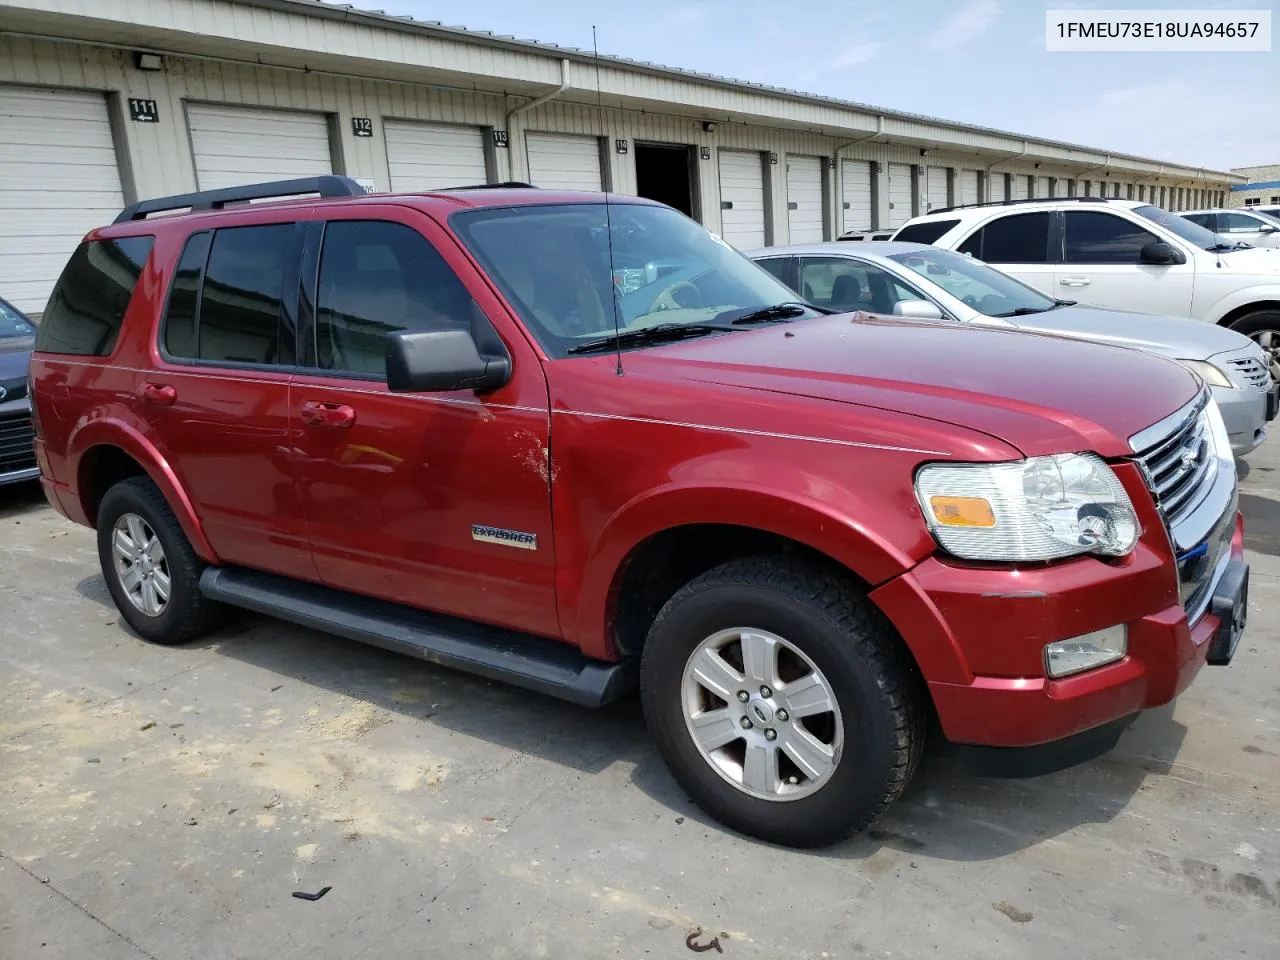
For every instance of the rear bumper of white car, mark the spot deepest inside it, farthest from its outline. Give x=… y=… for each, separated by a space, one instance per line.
x=1245 y=413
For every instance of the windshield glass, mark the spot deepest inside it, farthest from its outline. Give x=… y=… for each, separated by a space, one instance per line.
x=1191 y=232
x=14 y=325
x=983 y=288
x=553 y=264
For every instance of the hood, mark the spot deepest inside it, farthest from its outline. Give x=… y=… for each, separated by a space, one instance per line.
x=1042 y=394
x=1258 y=261
x=15 y=358
x=1175 y=337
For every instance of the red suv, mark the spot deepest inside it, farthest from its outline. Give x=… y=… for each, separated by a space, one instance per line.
x=576 y=442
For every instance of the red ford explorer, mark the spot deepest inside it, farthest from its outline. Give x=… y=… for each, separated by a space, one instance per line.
x=578 y=445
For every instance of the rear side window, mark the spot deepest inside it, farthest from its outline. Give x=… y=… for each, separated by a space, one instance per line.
x=926 y=232
x=84 y=314
x=1019 y=238
x=225 y=302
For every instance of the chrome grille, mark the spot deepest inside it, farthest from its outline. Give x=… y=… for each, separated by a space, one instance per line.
x=1252 y=370
x=17 y=443
x=1180 y=467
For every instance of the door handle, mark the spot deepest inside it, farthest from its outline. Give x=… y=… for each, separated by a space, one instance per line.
x=317 y=413
x=1075 y=281
x=160 y=394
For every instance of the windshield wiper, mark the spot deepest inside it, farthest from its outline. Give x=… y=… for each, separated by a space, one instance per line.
x=1064 y=303
x=779 y=311
x=656 y=334
x=1027 y=311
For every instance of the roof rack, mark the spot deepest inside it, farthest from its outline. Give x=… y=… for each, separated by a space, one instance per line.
x=327 y=186
x=490 y=186
x=1009 y=203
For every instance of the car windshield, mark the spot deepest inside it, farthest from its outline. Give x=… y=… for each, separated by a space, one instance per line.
x=13 y=325
x=1191 y=232
x=562 y=265
x=979 y=286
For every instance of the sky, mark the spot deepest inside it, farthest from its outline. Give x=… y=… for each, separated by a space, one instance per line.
x=975 y=61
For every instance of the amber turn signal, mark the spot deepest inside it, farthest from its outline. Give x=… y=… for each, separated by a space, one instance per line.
x=962 y=511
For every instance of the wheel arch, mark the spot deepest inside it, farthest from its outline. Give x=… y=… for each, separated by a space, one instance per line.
x=1243 y=310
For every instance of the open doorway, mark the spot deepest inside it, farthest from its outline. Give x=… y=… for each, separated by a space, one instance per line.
x=664 y=172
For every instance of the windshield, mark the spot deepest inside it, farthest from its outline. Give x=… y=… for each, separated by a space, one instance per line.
x=553 y=264
x=13 y=325
x=1191 y=232
x=979 y=286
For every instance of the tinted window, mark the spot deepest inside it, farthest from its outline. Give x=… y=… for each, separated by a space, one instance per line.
x=377 y=278
x=88 y=304
x=239 y=309
x=926 y=232
x=1019 y=238
x=1203 y=219
x=1103 y=238
x=776 y=266
x=847 y=285
x=184 y=298
x=1237 y=223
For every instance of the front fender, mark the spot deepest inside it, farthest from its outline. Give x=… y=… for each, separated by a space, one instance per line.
x=114 y=431
x=869 y=555
x=1263 y=294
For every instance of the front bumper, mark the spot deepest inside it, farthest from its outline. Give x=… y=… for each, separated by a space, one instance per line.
x=1246 y=413
x=987 y=627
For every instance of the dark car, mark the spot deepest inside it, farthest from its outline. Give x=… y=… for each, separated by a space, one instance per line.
x=17 y=440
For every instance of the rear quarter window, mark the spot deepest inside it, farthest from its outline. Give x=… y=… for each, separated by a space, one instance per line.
x=84 y=314
x=926 y=232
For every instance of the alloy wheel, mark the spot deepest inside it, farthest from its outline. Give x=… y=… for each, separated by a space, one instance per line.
x=141 y=565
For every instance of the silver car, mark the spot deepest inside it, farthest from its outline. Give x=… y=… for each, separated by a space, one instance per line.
x=928 y=283
x=1249 y=226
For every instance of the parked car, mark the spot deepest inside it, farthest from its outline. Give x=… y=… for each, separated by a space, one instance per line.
x=1271 y=211
x=435 y=423
x=1118 y=253
x=1244 y=226
x=920 y=281
x=17 y=439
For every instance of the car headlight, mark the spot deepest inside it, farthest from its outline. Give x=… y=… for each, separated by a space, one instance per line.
x=1207 y=372
x=1043 y=508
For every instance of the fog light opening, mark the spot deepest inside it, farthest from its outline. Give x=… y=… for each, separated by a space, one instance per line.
x=1062 y=658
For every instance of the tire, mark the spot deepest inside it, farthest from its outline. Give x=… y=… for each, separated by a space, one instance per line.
x=1258 y=325
x=879 y=699
x=186 y=613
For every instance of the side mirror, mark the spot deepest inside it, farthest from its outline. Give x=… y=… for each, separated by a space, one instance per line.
x=917 y=310
x=1159 y=252
x=1267 y=228
x=429 y=361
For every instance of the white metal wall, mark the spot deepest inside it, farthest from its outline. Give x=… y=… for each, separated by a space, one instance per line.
x=428 y=156
x=58 y=180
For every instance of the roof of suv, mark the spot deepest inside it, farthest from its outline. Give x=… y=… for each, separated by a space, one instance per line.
x=1046 y=203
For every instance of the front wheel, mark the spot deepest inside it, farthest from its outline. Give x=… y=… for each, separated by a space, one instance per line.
x=782 y=701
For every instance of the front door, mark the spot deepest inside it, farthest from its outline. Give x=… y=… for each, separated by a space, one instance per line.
x=441 y=500
x=1101 y=266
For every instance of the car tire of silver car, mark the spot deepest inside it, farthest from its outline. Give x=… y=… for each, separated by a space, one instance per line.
x=1263 y=327
x=140 y=541
x=782 y=700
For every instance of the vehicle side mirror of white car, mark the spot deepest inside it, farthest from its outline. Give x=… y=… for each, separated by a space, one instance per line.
x=1159 y=252
x=1268 y=229
x=917 y=310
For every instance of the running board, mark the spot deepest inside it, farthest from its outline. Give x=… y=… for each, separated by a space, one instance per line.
x=534 y=663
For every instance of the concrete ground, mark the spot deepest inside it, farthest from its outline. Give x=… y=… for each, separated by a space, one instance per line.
x=165 y=803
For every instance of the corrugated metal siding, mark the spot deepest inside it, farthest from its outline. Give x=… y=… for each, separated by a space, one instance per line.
x=235 y=145
x=804 y=200
x=428 y=156
x=742 y=189
x=58 y=180
x=855 y=182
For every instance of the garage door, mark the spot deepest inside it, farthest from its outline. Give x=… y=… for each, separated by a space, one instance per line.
x=855 y=182
x=996 y=186
x=1042 y=187
x=428 y=156
x=58 y=180
x=1020 y=186
x=742 y=198
x=899 y=194
x=559 y=161
x=1060 y=187
x=937 y=188
x=968 y=186
x=804 y=199
x=236 y=145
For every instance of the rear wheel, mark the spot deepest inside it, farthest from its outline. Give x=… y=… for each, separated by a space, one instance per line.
x=782 y=701
x=1263 y=327
x=152 y=573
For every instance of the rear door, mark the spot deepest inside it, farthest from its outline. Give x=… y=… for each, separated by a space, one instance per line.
x=1019 y=244
x=399 y=489
x=217 y=395
x=1101 y=266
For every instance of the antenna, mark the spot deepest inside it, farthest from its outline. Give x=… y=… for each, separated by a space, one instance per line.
x=614 y=295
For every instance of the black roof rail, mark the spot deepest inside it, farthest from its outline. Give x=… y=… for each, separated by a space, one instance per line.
x=326 y=186
x=1009 y=203
x=490 y=186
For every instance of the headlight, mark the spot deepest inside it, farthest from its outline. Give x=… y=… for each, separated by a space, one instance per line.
x=1207 y=372
x=1037 y=509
